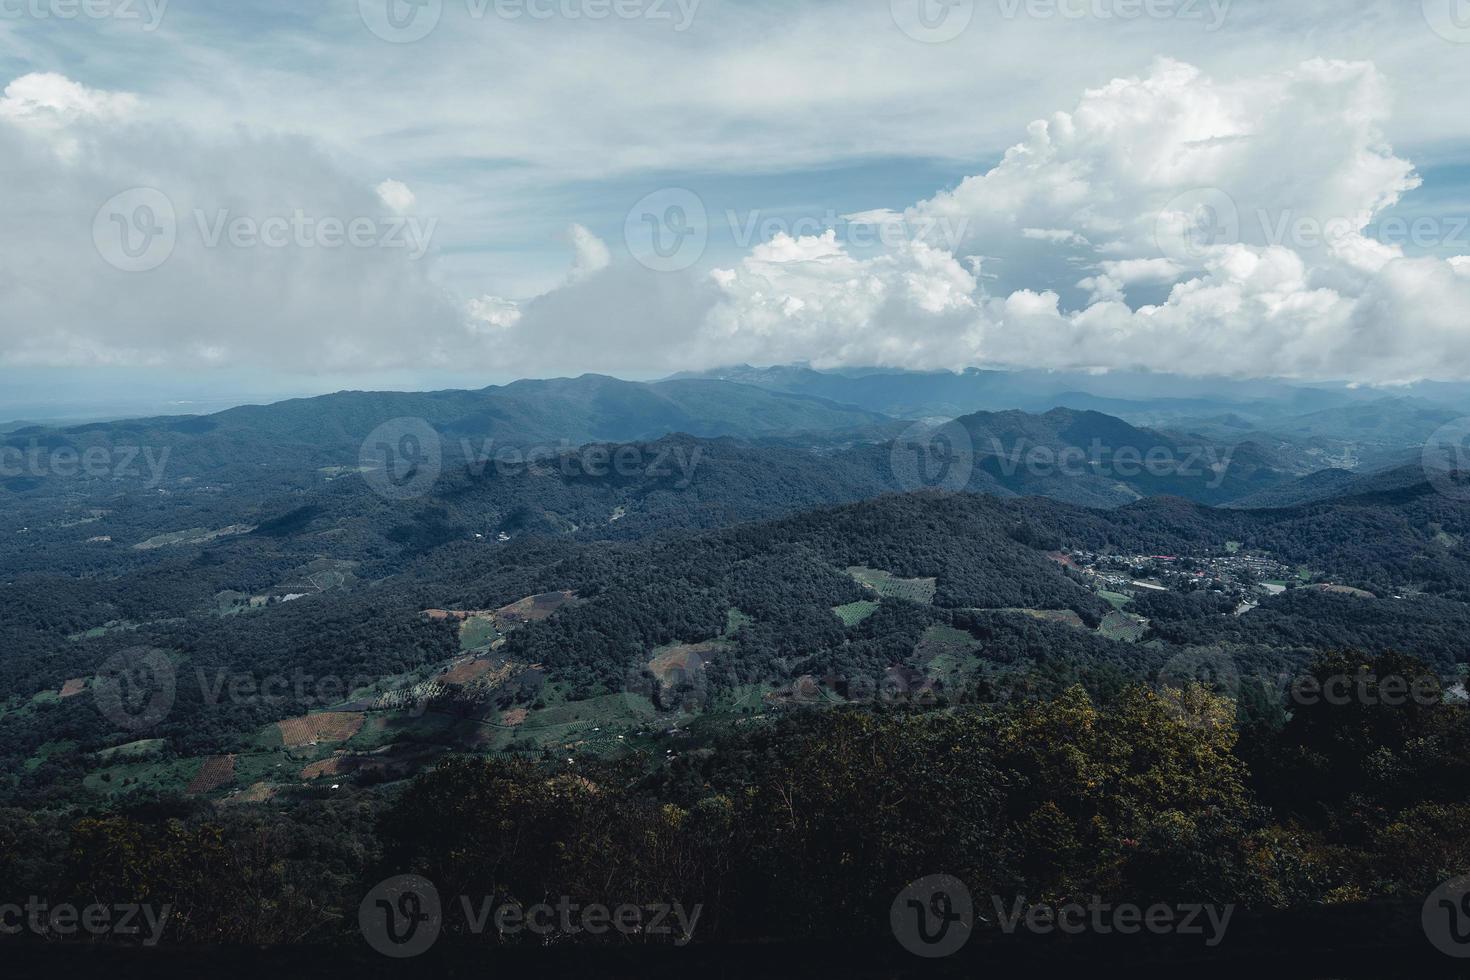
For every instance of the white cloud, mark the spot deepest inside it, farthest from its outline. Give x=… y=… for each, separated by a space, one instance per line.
x=592 y=254
x=48 y=100
x=397 y=196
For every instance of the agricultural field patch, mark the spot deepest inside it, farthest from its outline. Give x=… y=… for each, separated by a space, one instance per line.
x=320 y=575
x=1122 y=627
x=73 y=687
x=214 y=772
x=328 y=726
x=673 y=665
x=394 y=762
x=1334 y=589
x=888 y=585
x=1116 y=599
x=533 y=609
x=194 y=535
x=855 y=612
x=256 y=793
x=477 y=670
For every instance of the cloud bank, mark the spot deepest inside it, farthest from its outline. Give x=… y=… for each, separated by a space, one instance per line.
x=1171 y=221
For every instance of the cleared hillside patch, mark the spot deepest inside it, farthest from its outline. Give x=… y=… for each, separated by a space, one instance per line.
x=890 y=586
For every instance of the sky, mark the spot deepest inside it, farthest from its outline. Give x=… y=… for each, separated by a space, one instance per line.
x=211 y=200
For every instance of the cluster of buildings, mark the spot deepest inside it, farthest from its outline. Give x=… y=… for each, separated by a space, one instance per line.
x=1242 y=573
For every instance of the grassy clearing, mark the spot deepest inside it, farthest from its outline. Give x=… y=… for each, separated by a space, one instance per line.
x=948 y=655
x=735 y=620
x=1067 y=617
x=156 y=777
x=477 y=633
x=46 y=751
x=1117 y=599
x=945 y=641
x=143 y=749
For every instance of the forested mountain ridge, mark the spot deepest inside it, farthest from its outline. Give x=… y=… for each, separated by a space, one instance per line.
x=289 y=437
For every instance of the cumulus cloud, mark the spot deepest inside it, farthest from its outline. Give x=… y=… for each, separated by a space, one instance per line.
x=1238 y=210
